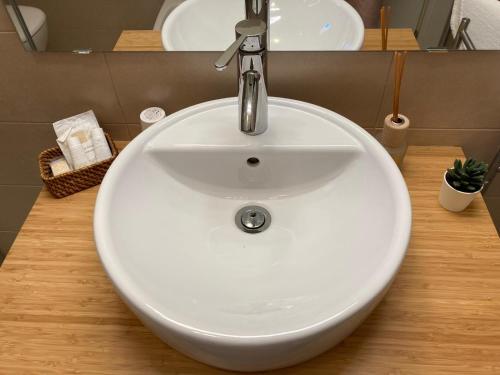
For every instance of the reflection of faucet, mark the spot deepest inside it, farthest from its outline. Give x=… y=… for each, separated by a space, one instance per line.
x=251 y=45
x=257 y=9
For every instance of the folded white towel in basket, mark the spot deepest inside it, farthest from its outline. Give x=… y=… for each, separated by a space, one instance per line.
x=484 y=28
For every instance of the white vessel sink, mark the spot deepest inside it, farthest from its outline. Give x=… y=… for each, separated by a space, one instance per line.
x=296 y=25
x=166 y=232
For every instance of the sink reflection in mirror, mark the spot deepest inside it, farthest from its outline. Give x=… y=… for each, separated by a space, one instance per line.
x=296 y=25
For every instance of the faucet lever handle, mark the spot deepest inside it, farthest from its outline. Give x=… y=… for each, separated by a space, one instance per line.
x=223 y=61
x=245 y=29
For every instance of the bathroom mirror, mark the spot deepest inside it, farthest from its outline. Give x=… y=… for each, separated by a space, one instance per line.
x=208 y=25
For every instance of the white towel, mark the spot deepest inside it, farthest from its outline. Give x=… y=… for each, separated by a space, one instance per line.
x=484 y=28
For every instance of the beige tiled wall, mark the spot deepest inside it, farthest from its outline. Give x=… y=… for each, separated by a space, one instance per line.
x=452 y=99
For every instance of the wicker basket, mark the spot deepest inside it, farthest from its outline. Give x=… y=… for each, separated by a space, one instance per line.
x=72 y=182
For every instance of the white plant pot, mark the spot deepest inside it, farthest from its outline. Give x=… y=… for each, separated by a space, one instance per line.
x=453 y=199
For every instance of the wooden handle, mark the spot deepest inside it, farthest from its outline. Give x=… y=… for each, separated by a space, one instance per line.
x=399 y=65
x=384 y=25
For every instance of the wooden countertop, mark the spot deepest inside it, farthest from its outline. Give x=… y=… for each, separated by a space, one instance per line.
x=150 y=40
x=60 y=315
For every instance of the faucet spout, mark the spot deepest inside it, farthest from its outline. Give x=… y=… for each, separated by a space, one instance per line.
x=252 y=97
x=256 y=9
x=251 y=48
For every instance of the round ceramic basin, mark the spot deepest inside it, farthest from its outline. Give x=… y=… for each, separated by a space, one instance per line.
x=166 y=233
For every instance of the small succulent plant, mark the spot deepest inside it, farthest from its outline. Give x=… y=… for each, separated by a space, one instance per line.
x=468 y=177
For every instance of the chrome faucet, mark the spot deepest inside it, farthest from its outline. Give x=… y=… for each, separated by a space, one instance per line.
x=251 y=46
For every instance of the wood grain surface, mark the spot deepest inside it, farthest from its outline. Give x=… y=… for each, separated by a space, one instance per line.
x=150 y=40
x=60 y=315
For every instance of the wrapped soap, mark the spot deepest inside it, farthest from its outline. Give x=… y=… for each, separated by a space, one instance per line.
x=59 y=166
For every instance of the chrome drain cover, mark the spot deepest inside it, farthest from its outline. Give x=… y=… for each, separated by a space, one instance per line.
x=253 y=219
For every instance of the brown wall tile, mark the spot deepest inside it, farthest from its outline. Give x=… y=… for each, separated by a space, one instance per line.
x=494 y=187
x=456 y=90
x=5 y=21
x=20 y=144
x=6 y=241
x=336 y=81
x=94 y=24
x=351 y=84
x=119 y=132
x=45 y=87
x=96 y=39
x=172 y=81
x=134 y=130
x=16 y=202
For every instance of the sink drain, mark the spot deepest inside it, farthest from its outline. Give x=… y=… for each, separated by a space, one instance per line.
x=253 y=219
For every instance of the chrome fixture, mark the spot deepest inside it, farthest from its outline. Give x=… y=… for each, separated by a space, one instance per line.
x=463 y=36
x=447 y=40
x=450 y=42
x=253 y=219
x=251 y=46
x=83 y=51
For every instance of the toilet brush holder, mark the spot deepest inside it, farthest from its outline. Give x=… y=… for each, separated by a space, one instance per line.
x=394 y=137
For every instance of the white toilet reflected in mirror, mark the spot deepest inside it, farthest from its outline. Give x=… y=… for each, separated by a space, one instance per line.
x=36 y=21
